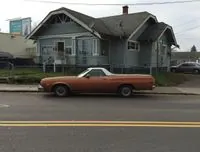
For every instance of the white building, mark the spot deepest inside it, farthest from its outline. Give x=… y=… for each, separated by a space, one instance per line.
x=17 y=45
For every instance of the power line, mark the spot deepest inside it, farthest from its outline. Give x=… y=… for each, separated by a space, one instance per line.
x=189 y=29
x=104 y=4
x=186 y=23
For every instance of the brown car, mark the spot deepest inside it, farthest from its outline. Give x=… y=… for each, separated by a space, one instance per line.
x=97 y=80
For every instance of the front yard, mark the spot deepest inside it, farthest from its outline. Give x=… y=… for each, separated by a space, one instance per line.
x=34 y=75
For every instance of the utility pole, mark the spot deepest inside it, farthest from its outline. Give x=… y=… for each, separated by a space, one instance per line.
x=157 y=52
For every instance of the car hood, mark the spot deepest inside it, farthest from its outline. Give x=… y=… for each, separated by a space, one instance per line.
x=58 y=78
x=132 y=75
x=174 y=66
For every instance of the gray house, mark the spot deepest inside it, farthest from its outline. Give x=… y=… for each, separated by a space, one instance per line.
x=128 y=40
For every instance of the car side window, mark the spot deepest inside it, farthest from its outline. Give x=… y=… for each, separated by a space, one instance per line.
x=188 y=65
x=184 y=65
x=96 y=73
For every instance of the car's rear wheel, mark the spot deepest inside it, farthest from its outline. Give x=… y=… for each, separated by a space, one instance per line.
x=61 y=90
x=173 y=70
x=196 y=71
x=125 y=90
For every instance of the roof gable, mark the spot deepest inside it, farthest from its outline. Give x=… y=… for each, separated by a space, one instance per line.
x=152 y=33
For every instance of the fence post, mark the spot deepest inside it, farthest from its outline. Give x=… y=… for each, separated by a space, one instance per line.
x=54 y=67
x=44 y=67
x=150 y=69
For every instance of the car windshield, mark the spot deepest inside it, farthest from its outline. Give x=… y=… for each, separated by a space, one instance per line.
x=198 y=64
x=82 y=73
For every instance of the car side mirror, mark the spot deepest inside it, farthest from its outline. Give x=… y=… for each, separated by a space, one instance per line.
x=87 y=76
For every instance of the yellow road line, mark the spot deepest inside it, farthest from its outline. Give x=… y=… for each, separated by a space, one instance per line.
x=102 y=122
x=99 y=124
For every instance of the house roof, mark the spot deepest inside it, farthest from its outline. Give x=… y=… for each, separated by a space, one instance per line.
x=123 y=25
x=153 y=32
x=111 y=25
x=119 y=25
x=82 y=17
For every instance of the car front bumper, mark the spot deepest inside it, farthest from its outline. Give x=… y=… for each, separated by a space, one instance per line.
x=40 y=88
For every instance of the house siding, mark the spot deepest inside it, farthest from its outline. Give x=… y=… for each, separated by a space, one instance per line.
x=163 y=47
x=145 y=54
x=66 y=28
x=131 y=57
x=81 y=46
x=117 y=53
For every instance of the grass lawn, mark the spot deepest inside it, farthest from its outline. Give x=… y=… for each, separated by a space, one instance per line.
x=27 y=75
x=170 y=79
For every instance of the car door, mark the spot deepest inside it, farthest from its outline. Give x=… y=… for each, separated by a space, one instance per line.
x=94 y=81
x=183 y=68
x=97 y=81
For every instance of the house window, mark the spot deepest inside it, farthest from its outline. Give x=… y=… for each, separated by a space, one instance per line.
x=60 y=46
x=133 y=46
x=64 y=47
x=95 y=48
x=68 y=47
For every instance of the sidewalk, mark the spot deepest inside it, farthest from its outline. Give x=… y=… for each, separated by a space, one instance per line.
x=173 y=91
x=157 y=90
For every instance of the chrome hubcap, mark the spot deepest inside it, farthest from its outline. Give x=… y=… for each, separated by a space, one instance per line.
x=60 y=91
x=126 y=91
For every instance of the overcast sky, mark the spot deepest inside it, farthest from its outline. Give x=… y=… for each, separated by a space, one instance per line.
x=182 y=17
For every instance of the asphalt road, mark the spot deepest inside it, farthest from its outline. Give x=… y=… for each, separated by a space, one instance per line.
x=32 y=122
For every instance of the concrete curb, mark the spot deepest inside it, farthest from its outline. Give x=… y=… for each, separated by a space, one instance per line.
x=168 y=93
x=150 y=93
x=19 y=91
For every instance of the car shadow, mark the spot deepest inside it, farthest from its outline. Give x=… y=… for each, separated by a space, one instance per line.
x=102 y=96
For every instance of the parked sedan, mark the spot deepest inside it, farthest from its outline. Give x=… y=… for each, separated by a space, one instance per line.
x=187 y=67
x=97 y=80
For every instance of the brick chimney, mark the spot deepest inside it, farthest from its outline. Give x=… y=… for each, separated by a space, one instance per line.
x=125 y=9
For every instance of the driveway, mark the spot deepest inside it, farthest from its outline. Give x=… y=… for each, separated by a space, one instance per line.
x=193 y=81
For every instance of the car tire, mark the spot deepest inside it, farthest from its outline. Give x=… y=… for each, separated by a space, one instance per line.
x=61 y=91
x=173 y=70
x=125 y=91
x=196 y=71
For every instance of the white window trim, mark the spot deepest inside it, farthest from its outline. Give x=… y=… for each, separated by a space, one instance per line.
x=95 y=49
x=136 y=42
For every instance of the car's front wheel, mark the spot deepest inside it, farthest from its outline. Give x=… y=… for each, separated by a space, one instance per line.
x=61 y=90
x=125 y=90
